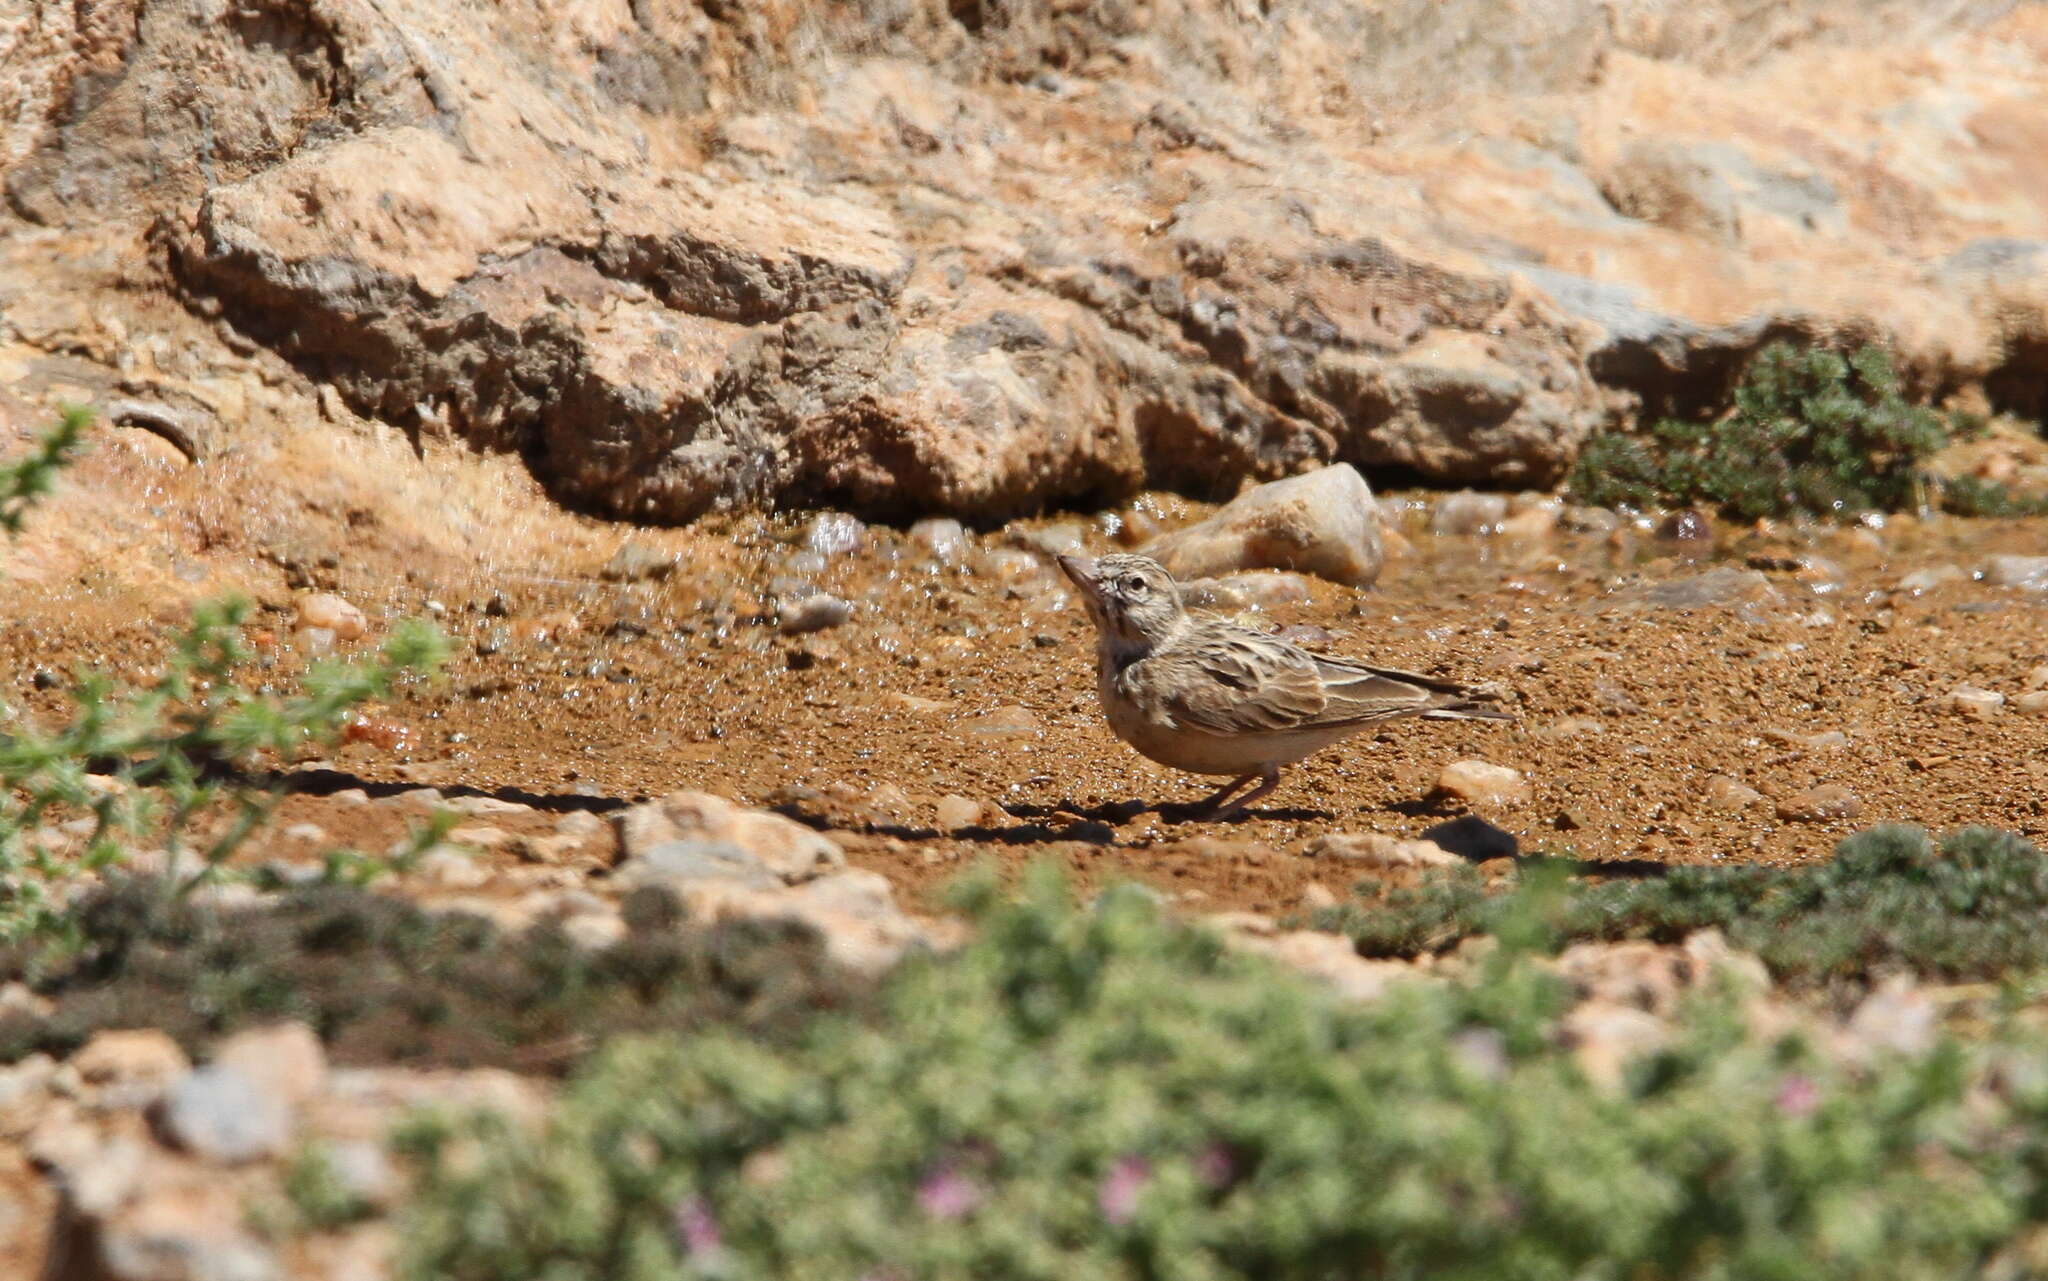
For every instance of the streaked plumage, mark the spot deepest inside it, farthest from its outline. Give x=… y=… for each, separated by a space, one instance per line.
x=1198 y=692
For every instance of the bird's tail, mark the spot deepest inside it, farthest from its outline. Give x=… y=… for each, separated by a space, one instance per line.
x=1467 y=707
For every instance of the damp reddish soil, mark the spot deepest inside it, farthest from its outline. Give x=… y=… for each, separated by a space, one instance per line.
x=1647 y=677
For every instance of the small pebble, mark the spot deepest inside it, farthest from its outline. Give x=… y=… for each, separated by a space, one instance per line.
x=1468 y=513
x=1481 y=782
x=943 y=539
x=1819 y=804
x=1724 y=792
x=1925 y=580
x=2032 y=703
x=814 y=613
x=324 y=611
x=1686 y=527
x=1975 y=703
x=957 y=812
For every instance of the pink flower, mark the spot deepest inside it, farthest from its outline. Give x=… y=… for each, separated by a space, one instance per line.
x=1118 y=1196
x=948 y=1194
x=697 y=1227
x=1798 y=1096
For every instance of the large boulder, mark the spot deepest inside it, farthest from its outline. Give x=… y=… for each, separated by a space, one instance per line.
x=909 y=256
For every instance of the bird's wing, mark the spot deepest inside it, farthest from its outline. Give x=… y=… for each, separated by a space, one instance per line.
x=1230 y=681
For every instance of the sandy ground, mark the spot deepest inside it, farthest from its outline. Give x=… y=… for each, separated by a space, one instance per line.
x=975 y=680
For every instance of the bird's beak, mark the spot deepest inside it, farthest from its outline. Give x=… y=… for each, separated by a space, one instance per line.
x=1081 y=570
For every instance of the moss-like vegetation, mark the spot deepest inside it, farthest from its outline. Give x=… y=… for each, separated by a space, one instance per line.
x=1973 y=907
x=1104 y=1094
x=383 y=981
x=1811 y=432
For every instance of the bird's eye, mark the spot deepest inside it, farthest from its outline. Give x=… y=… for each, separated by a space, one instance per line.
x=1134 y=585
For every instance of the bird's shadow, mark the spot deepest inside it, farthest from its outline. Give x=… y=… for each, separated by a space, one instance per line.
x=1122 y=812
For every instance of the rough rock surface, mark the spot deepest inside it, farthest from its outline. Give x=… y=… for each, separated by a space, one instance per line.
x=1324 y=523
x=907 y=256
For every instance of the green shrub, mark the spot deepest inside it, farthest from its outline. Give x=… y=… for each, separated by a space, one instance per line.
x=1811 y=432
x=1102 y=1093
x=1976 y=907
x=384 y=982
x=159 y=763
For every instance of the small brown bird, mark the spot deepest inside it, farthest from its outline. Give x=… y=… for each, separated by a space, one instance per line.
x=1195 y=691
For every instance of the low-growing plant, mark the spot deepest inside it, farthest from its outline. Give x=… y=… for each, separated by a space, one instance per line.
x=170 y=761
x=28 y=480
x=1811 y=431
x=1102 y=1093
x=1971 y=907
x=383 y=981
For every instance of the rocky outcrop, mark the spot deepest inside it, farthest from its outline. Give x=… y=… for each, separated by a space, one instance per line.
x=905 y=257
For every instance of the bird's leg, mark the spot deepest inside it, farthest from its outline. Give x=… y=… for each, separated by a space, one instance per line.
x=1212 y=804
x=1269 y=778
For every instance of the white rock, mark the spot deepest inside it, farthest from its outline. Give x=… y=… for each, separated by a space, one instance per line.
x=324 y=611
x=784 y=847
x=1324 y=523
x=1481 y=782
x=1978 y=704
x=1376 y=849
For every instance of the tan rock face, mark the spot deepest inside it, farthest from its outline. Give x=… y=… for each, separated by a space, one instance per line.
x=926 y=256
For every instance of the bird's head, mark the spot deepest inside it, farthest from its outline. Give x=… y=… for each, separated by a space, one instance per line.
x=1132 y=600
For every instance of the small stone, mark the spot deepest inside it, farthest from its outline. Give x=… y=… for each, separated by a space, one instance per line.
x=1269 y=587
x=1897 y=1018
x=451 y=867
x=581 y=824
x=285 y=1060
x=2030 y=572
x=2032 y=703
x=1926 y=580
x=958 y=812
x=1376 y=849
x=681 y=863
x=550 y=850
x=1316 y=897
x=788 y=849
x=914 y=703
x=1820 y=804
x=942 y=538
x=859 y=893
x=324 y=611
x=1727 y=793
x=638 y=561
x=1467 y=512
x=363 y=1171
x=220 y=1113
x=1721 y=586
x=478 y=836
x=1480 y=782
x=1533 y=523
x=1323 y=523
x=835 y=533
x=1053 y=540
x=130 y=1067
x=1975 y=703
x=479 y=806
x=1590 y=520
x=1689 y=526
x=1606 y=1037
x=310 y=833
x=1010 y=719
x=814 y=613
